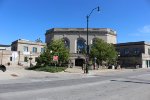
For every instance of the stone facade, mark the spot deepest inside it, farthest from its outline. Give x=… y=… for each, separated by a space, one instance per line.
x=74 y=36
x=27 y=46
x=134 y=54
x=21 y=51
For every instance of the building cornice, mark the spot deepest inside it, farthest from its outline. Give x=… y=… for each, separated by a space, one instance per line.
x=81 y=30
x=28 y=42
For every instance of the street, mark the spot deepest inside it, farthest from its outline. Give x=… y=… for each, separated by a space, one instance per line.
x=129 y=85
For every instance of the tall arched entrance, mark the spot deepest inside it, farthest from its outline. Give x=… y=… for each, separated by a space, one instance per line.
x=79 y=62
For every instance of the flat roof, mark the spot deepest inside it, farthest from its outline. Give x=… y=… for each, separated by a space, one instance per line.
x=2 y=45
x=24 y=41
x=133 y=43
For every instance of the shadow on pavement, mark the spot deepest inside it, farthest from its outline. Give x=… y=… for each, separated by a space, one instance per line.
x=139 y=82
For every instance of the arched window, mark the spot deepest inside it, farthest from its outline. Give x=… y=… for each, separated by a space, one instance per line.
x=66 y=42
x=94 y=40
x=81 y=45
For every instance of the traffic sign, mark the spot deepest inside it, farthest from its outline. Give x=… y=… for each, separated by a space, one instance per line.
x=55 y=58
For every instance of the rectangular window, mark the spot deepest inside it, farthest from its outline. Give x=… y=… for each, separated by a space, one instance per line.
x=25 y=49
x=136 y=51
x=148 y=51
x=42 y=50
x=25 y=59
x=147 y=63
x=126 y=51
x=10 y=58
x=34 y=49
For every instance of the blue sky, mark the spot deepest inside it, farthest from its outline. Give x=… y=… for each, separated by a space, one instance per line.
x=29 y=19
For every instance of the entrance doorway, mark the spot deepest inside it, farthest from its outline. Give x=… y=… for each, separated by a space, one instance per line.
x=148 y=63
x=79 y=62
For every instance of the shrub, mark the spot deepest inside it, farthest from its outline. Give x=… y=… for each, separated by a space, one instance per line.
x=33 y=68
x=51 y=69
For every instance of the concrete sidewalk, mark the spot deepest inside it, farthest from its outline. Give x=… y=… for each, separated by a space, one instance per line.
x=16 y=73
x=99 y=71
x=20 y=73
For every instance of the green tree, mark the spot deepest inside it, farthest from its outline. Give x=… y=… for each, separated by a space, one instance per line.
x=103 y=52
x=44 y=59
x=58 y=48
x=55 y=48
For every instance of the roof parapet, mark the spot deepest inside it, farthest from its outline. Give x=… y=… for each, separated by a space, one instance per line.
x=82 y=30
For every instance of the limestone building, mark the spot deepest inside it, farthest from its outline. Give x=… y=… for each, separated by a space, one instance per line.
x=134 y=54
x=27 y=46
x=21 y=51
x=75 y=39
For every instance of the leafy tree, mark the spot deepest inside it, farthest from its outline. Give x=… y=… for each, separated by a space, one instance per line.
x=55 y=48
x=58 y=48
x=103 y=51
x=44 y=59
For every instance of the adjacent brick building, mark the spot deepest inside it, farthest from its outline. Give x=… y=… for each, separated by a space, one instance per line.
x=134 y=54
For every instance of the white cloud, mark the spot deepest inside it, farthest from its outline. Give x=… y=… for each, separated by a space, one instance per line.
x=142 y=32
x=145 y=29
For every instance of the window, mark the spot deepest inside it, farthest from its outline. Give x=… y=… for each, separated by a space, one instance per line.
x=25 y=49
x=149 y=51
x=34 y=49
x=10 y=58
x=136 y=51
x=126 y=51
x=42 y=50
x=66 y=42
x=25 y=59
x=81 y=45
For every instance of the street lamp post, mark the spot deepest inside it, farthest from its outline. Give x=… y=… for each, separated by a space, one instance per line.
x=87 y=55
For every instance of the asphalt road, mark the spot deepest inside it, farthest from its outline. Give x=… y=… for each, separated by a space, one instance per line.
x=132 y=85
